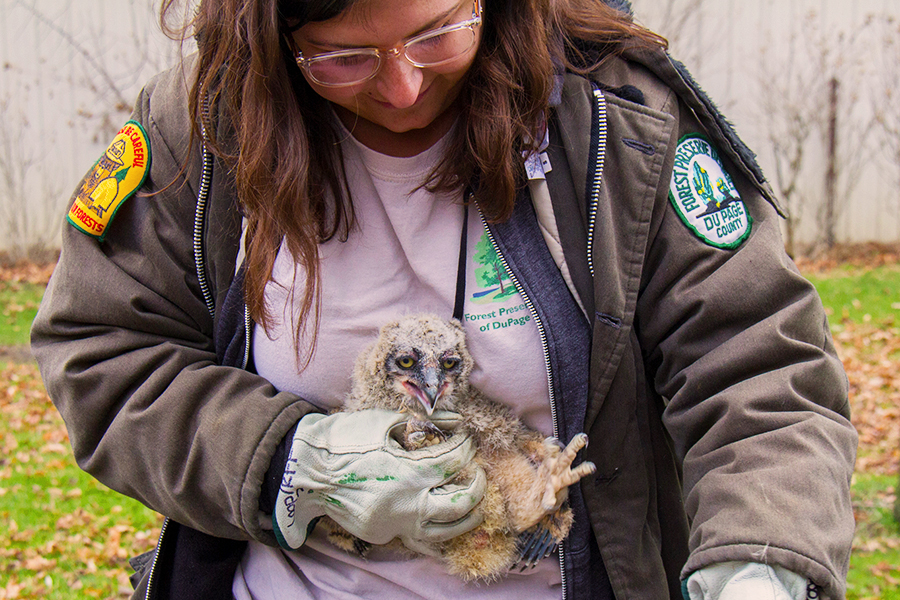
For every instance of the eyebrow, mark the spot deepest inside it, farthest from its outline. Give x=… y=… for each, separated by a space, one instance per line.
x=433 y=24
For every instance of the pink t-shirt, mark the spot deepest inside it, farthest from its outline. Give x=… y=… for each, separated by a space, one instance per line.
x=401 y=259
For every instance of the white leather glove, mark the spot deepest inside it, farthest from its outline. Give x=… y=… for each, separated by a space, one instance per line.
x=349 y=467
x=749 y=581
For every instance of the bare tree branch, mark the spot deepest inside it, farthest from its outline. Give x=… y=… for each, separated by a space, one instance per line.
x=99 y=68
x=887 y=103
x=798 y=120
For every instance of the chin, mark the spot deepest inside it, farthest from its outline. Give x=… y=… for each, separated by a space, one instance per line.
x=397 y=121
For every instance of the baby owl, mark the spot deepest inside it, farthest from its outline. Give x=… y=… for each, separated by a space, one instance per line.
x=419 y=364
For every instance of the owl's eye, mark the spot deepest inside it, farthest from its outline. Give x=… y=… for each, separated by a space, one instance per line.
x=449 y=363
x=406 y=362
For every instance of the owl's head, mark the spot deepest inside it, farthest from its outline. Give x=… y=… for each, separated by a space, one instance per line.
x=419 y=363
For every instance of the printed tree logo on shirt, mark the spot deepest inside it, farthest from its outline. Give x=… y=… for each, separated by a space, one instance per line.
x=490 y=273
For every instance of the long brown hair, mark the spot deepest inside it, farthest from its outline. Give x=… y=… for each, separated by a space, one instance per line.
x=286 y=158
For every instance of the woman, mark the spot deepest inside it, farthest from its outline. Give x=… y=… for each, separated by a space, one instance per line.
x=310 y=172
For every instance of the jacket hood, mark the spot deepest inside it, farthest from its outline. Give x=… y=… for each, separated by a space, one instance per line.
x=621 y=5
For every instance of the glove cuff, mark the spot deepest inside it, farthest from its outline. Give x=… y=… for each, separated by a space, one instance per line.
x=730 y=580
x=297 y=508
x=271 y=484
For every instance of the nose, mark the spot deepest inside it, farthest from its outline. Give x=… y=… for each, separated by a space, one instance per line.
x=399 y=82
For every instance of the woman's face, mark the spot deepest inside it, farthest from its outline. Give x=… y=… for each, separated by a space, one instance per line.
x=400 y=98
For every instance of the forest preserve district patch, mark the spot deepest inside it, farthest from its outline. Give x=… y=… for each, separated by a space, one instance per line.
x=704 y=195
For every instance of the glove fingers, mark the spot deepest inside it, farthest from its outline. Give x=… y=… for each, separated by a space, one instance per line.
x=441 y=532
x=349 y=432
x=453 y=501
x=451 y=455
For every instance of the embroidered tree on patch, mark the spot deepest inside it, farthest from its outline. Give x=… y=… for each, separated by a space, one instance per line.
x=701 y=184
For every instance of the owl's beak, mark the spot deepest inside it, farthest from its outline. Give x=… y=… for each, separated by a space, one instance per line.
x=432 y=389
x=429 y=389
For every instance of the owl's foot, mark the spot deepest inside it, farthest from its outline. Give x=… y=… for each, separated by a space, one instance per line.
x=541 y=541
x=338 y=536
x=535 y=545
x=421 y=434
x=558 y=474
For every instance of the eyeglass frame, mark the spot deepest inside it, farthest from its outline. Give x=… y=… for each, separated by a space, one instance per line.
x=397 y=51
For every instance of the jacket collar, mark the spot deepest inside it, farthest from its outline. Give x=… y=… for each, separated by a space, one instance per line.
x=621 y=5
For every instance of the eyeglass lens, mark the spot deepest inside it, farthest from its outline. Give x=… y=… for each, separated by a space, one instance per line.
x=431 y=50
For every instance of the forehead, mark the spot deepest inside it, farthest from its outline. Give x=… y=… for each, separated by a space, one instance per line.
x=426 y=333
x=430 y=341
x=380 y=22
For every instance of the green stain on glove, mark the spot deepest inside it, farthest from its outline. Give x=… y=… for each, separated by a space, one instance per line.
x=439 y=470
x=352 y=478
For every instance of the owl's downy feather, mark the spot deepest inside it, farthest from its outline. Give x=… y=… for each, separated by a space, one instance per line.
x=419 y=364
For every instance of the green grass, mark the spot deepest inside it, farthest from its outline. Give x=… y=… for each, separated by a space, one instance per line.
x=65 y=535
x=854 y=296
x=875 y=562
x=18 y=305
x=860 y=295
x=874 y=576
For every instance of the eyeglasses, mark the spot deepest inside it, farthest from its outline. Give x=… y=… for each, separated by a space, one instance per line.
x=430 y=49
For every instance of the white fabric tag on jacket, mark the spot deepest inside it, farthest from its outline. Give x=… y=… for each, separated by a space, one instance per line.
x=537 y=164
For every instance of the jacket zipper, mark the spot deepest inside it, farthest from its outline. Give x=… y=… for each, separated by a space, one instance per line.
x=546 y=348
x=599 y=161
x=200 y=220
x=247 y=324
x=200 y=265
x=162 y=531
x=199 y=260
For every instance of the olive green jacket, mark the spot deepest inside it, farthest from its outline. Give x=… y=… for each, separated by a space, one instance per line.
x=717 y=408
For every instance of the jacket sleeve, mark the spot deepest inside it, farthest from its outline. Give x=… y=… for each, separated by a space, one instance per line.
x=124 y=342
x=738 y=346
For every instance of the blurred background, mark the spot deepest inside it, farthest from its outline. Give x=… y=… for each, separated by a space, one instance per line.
x=69 y=74
x=811 y=85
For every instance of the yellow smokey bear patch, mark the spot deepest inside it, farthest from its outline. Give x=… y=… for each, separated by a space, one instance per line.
x=118 y=174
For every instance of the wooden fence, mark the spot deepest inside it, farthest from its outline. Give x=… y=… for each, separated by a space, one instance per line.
x=72 y=68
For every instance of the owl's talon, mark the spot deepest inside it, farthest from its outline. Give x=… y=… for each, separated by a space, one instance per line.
x=554 y=442
x=416 y=438
x=420 y=434
x=361 y=547
x=536 y=543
